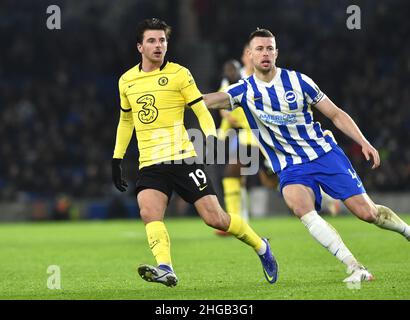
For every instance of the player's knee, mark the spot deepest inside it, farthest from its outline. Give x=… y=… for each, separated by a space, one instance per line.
x=300 y=211
x=148 y=215
x=144 y=213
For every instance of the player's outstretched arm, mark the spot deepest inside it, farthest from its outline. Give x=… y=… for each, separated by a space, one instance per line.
x=217 y=100
x=346 y=124
x=205 y=119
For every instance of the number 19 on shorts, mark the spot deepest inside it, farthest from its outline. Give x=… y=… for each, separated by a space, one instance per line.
x=199 y=177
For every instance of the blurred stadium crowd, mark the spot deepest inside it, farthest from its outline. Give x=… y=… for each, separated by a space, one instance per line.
x=58 y=89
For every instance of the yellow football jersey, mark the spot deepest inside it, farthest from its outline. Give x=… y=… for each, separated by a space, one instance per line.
x=157 y=100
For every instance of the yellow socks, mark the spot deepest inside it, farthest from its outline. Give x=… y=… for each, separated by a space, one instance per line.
x=241 y=230
x=232 y=194
x=158 y=240
x=238 y=226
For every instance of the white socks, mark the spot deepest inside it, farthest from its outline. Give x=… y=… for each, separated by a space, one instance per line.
x=262 y=249
x=328 y=237
x=387 y=219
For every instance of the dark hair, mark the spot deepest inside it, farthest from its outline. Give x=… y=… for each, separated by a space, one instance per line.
x=152 y=24
x=264 y=33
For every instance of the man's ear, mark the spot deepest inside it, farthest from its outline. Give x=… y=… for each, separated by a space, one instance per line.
x=139 y=47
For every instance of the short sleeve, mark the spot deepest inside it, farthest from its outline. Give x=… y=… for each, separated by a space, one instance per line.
x=236 y=92
x=189 y=89
x=311 y=90
x=124 y=103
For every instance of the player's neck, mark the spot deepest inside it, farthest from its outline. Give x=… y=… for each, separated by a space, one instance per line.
x=268 y=76
x=148 y=65
x=249 y=71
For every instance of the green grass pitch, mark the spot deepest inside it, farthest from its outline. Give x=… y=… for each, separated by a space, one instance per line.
x=98 y=260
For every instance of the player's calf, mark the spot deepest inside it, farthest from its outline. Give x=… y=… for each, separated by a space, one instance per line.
x=387 y=219
x=362 y=207
x=211 y=212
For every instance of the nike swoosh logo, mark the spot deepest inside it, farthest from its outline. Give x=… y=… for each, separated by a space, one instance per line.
x=258 y=98
x=131 y=85
x=202 y=188
x=270 y=278
x=154 y=244
x=359 y=185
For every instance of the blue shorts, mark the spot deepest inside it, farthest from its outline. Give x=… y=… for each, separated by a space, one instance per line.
x=333 y=172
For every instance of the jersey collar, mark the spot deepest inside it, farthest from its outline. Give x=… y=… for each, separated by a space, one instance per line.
x=268 y=84
x=160 y=68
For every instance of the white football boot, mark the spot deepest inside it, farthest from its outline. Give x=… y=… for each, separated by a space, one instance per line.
x=358 y=273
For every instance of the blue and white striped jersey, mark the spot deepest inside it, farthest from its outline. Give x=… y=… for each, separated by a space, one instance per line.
x=281 y=113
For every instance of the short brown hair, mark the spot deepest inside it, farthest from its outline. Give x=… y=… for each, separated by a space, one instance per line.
x=264 y=33
x=152 y=24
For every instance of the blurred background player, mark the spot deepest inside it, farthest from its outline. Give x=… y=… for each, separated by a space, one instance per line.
x=234 y=187
x=235 y=127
